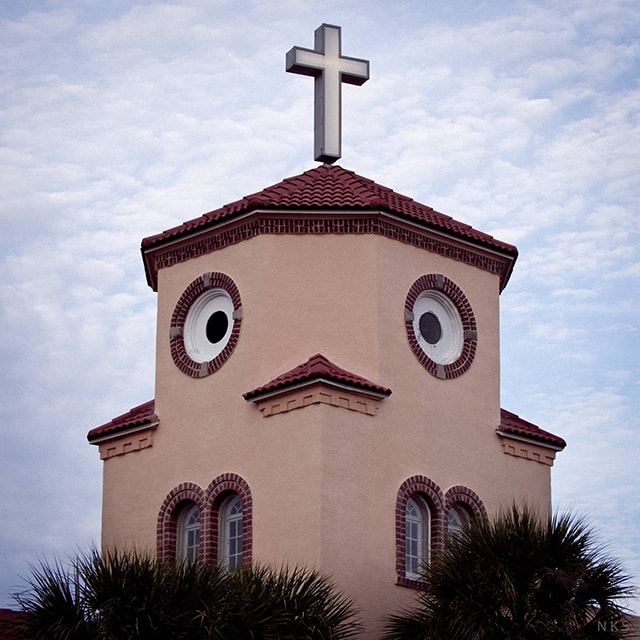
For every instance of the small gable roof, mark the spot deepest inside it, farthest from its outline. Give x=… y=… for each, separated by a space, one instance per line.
x=330 y=188
x=512 y=424
x=316 y=368
x=140 y=417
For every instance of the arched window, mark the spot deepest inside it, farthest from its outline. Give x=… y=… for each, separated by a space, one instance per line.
x=419 y=527
x=457 y=518
x=209 y=525
x=189 y=533
x=182 y=523
x=417 y=536
x=462 y=505
x=229 y=507
x=230 y=553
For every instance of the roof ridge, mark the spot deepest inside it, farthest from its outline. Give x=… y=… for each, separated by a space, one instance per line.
x=332 y=189
x=378 y=196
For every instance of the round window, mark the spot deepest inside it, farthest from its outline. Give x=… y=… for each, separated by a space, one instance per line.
x=206 y=324
x=207 y=328
x=440 y=325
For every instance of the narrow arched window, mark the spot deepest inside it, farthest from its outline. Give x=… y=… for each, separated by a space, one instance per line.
x=417 y=536
x=189 y=533
x=231 y=539
x=457 y=518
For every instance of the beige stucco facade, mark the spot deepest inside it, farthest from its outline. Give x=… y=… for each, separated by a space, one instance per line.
x=324 y=464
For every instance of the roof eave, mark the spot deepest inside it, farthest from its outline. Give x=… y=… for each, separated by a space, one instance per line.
x=542 y=441
x=252 y=396
x=121 y=431
x=509 y=255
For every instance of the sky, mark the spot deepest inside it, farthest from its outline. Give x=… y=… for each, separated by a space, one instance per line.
x=121 y=119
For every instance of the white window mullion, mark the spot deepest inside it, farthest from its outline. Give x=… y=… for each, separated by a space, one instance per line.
x=417 y=534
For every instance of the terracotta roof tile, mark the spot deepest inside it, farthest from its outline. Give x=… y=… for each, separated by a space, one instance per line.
x=332 y=187
x=140 y=416
x=511 y=423
x=10 y=625
x=317 y=367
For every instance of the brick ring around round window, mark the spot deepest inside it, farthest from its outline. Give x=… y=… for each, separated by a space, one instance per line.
x=205 y=325
x=441 y=327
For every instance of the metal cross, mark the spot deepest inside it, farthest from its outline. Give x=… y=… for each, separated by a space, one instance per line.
x=329 y=69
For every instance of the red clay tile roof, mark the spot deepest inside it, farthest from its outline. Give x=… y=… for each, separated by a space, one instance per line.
x=510 y=423
x=9 y=624
x=317 y=367
x=332 y=187
x=140 y=416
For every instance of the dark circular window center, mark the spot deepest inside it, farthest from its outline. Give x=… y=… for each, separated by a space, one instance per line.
x=217 y=326
x=430 y=327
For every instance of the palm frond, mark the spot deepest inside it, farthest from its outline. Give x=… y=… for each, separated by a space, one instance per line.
x=134 y=596
x=519 y=575
x=54 y=604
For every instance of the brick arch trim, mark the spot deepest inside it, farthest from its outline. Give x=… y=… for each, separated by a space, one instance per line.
x=463 y=495
x=167 y=523
x=216 y=493
x=439 y=282
x=210 y=280
x=432 y=494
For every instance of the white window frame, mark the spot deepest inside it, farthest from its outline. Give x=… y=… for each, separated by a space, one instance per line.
x=189 y=533
x=457 y=518
x=417 y=536
x=231 y=539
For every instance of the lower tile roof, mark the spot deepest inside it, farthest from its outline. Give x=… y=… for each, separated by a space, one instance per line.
x=512 y=424
x=10 y=625
x=140 y=416
x=317 y=367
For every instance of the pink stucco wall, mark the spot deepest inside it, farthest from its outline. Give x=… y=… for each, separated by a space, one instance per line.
x=324 y=479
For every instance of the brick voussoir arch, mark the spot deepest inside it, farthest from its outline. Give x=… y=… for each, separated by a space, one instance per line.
x=205 y=282
x=217 y=491
x=463 y=495
x=167 y=523
x=440 y=283
x=434 y=497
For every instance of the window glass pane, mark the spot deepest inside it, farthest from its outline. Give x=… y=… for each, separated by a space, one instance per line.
x=456 y=519
x=189 y=533
x=231 y=530
x=416 y=536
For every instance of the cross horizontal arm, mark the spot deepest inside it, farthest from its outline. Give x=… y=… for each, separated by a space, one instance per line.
x=305 y=62
x=354 y=70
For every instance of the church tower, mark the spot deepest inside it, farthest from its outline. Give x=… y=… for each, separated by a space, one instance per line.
x=327 y=382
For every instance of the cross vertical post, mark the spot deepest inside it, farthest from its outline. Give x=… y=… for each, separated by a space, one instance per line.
x=329 y=69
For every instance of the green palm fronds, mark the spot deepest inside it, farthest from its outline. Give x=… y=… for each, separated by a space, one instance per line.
x=518 y=577
x=133 y=596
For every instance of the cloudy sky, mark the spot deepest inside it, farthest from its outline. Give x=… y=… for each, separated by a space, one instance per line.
x=122 y=118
